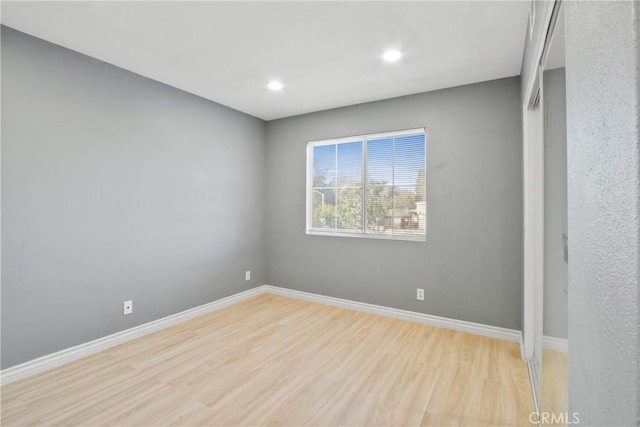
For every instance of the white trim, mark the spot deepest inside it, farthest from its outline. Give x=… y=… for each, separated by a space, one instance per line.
x=412 y=316
x=532 y=17
x=539 y=47
x=356 y=138
x=369 y=235
x=533 y=232
x=62 y=357
x=533 y=215
x=309 y=194
x=53 y=360
x=528 y=232
x=310 y=189
x=556 y=344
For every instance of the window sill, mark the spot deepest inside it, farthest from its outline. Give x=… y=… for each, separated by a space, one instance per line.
x=410 y=238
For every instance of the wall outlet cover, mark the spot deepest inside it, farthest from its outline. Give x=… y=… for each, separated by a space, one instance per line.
x=127 y=307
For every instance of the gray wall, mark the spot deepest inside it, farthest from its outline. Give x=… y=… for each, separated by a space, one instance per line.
x=603 y=126
x=556 y=270
x=117 y=187
x=471 y=263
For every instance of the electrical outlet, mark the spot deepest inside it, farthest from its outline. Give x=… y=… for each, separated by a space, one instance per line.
x=127 y=307
x=247 y=275
x=420 y=294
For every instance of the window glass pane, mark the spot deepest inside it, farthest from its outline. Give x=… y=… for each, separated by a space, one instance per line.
x=409 y=158
x=393 y=191
x=407 y=218
x=350 y=164
x=380 y=161
x=379 y=209
x=324 y=166
x=324 y=208
x=349 y=202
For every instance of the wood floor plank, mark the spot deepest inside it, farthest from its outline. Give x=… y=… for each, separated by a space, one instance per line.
x=273 y=360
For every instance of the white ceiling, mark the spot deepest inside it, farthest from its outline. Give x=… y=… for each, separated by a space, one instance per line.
x=327 y=54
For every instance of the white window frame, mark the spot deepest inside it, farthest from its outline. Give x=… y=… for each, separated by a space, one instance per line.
x=309 y=186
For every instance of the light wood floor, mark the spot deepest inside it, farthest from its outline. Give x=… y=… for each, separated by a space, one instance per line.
x=554 y=384
x=280 y=361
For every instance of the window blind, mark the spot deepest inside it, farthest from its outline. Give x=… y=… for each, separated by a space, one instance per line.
x=368 y=186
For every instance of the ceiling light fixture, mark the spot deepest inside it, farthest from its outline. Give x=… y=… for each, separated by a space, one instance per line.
x=275 y=85
x=392 y=55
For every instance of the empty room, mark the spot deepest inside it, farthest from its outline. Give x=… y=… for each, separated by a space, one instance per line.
x=298 y=213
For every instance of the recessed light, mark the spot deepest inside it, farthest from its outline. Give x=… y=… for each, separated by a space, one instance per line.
x=275 y=85
x=392 y=55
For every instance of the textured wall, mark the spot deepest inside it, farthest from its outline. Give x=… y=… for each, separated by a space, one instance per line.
x=471 y=264
x=117 y=187
x=556 y=270
x=603 y=93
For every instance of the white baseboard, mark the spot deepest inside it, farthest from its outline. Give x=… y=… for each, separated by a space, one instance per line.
x=53 y=360
x=62 y=357
x=428 y=319
x=557 y=344
x=550 y=343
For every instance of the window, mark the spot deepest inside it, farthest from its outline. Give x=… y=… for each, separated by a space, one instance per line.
x=368 y=186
